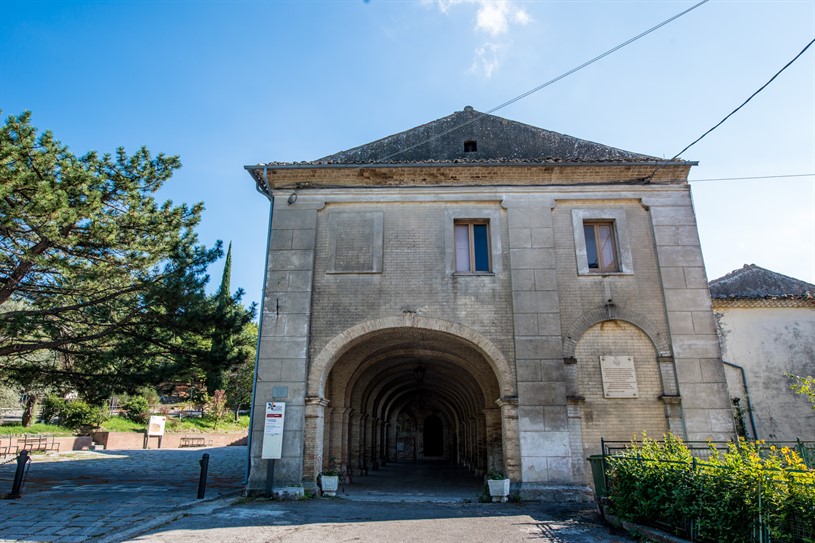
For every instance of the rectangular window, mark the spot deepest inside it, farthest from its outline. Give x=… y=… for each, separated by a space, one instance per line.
x=601 y=246
x=472 y=246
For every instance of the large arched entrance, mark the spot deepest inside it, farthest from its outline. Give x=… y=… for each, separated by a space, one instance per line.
x=397 y=391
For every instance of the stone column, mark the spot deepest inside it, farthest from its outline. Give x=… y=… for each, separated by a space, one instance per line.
x=509 y=427
x=575 y=415
x=375 y=434
x=481 y=429
x=313 y=445
x=495 y=450
x=328 y=425
x=367 y=443
x=345 y=439
x=355 y=446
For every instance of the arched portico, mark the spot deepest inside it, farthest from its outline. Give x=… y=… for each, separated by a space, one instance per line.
x=378 y=390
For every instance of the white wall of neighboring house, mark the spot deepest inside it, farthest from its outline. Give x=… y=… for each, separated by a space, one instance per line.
x=770 y=342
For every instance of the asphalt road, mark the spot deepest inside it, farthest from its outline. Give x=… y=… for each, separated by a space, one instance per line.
x=340 y=520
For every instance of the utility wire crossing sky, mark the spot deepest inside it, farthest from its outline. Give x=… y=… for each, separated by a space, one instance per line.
x=225 y=84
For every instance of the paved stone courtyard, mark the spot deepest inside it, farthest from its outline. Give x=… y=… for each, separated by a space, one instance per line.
x=83 y=496
x=150 y=496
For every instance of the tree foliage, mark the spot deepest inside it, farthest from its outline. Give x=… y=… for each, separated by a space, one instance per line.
x=111 y=282
x=804 y=386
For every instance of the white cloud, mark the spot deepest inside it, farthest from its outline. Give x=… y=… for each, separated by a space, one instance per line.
x=487 y=59
x=495 y=18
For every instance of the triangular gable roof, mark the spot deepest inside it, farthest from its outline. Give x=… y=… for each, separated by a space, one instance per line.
x=496 y=140
x=751 y=282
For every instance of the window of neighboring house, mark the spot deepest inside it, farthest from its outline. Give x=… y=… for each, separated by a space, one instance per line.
x=472 y=246
x=601 y=246
x=470 y=146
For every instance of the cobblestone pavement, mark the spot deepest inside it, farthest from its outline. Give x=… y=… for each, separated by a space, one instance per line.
x=93 y=496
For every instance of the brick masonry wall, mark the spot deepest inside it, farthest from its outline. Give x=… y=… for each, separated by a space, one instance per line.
x=618 y=418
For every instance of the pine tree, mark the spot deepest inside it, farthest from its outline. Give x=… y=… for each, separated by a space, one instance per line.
x=222 y=344
x=106 y=279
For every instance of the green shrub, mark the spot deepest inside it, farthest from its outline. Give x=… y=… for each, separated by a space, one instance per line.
x=137 y=409
x=78 y=415
x=51 y=407
x=718 y=499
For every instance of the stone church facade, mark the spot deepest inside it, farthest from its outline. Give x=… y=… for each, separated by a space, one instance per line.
x=485 y=292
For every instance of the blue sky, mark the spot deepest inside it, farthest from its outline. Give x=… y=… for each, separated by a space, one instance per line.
x=226 y=84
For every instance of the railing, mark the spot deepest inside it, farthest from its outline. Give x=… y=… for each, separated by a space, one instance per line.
x=704 y=449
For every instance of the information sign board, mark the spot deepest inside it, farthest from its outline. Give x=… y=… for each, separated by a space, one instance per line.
x=273 y=430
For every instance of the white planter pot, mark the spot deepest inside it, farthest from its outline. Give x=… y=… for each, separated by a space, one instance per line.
x=329 y=484
x=499 y=489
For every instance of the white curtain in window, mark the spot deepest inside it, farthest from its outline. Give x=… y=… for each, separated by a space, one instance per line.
x=462 y=248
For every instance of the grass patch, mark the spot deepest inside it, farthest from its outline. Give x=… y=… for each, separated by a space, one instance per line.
x=203 y=425
x=39 y=428
x=121 y=424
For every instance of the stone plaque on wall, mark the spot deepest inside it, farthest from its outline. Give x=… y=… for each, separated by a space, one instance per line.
x=355 y=242
x=619 y=377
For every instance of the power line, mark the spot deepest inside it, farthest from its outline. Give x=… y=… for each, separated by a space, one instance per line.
x=551 y=81
x=717 y=125
x=754 y=177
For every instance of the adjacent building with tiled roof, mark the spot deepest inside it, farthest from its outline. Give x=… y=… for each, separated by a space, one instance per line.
x=766 y=325
x=484 y=292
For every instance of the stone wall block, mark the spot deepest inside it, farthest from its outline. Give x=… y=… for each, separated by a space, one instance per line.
x=688 y=300
x=294 y=219
x=523 y=279
x=529 y=259
x=673 y=216
x=520 y=238
x=528 y=370
x=680 y=255
x=542 y=393
x=283 y=347
x=697 y=346
x=543 y=237
x=538 y=347
x=535 y=302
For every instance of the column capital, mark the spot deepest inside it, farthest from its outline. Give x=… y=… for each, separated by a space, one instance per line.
x=317 y=400
x=507 y=400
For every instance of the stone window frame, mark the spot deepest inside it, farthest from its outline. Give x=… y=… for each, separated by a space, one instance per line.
x=618 y=218
x=473 y=252
x=492 y=217
x=378 y=221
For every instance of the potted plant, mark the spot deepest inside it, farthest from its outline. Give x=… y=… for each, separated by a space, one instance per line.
x=330 y=478
x=498 y=485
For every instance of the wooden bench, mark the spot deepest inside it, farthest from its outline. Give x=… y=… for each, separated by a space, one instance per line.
x=194 y=442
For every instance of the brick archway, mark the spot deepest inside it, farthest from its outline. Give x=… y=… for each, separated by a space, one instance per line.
x=363 y=379
x=334 y=349
x=590 y=318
